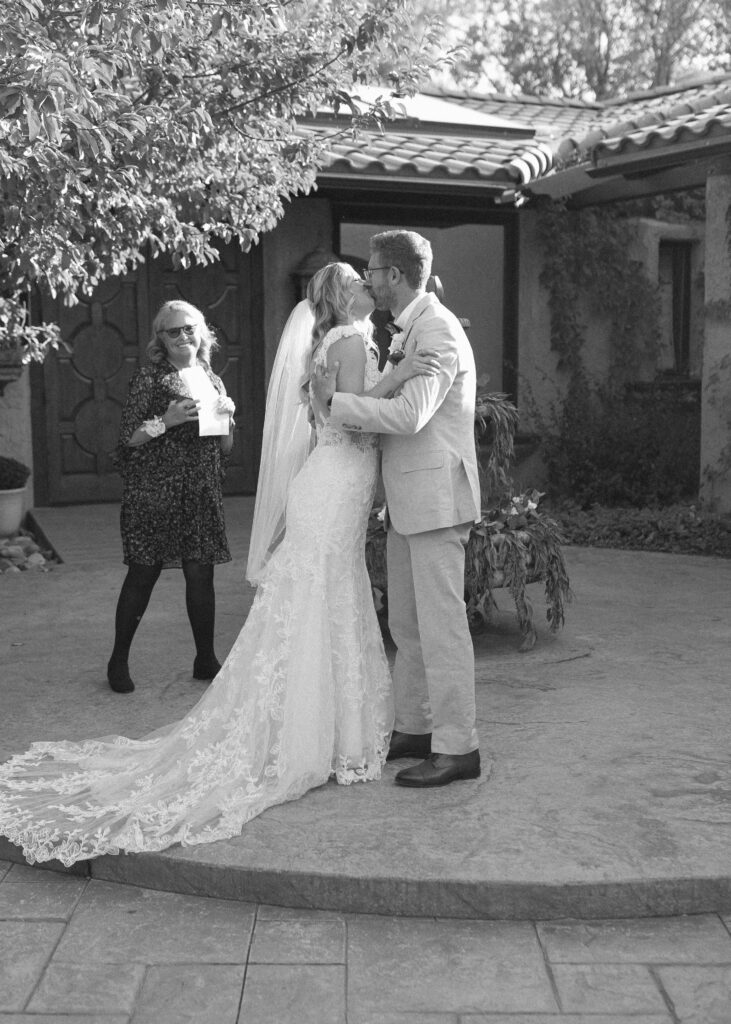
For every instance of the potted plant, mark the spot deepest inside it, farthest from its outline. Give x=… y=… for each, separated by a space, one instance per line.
x=13 y=478
x=513 y=545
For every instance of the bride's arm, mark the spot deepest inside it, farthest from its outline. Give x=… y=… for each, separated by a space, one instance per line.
x=347 y=357
x=346 y=361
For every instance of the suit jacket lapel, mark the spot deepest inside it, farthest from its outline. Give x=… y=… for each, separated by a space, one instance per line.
x=426 y=302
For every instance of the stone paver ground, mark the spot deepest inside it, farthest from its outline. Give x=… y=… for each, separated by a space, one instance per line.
x=81 y=951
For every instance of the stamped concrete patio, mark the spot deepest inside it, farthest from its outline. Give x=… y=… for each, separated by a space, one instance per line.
x=607 y=787
x=82 y=951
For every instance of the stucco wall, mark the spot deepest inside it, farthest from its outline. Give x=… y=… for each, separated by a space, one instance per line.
x=306 y=226
x=15 y=426
x=716 y=407
x=540 y=381
x=538 y=377
x=650 y=233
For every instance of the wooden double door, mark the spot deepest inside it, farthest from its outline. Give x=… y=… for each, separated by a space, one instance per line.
x=78 y=393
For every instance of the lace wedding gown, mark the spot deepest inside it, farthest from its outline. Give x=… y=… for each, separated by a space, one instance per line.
x=305 y=694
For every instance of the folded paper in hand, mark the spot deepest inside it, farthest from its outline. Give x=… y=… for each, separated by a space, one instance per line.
x=211 y=422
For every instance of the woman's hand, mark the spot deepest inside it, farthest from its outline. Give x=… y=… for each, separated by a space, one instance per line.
x=182 y=410
x=424 y=362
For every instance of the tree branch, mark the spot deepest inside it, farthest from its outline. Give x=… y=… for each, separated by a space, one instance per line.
x=281 y=88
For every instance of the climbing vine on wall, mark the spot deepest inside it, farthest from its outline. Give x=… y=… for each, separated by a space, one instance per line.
x=614 y=440
x=588 y=270
x=721 y=308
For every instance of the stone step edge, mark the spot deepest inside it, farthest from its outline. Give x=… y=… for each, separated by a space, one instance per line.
x=408 y=897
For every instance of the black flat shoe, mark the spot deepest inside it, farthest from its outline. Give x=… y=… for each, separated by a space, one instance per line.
x=406 y=744
x=440 y=770
x=119 y=679
x=206 y=668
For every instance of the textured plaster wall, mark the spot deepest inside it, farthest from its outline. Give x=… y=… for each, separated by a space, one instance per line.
x=716 y=380
x=15 y=426
x=306 y=226
x=650 y=234
x=540 y=380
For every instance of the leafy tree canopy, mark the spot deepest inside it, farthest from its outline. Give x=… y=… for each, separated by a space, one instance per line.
x=163 y=125
x=588 y=49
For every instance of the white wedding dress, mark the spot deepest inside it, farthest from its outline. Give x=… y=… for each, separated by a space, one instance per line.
x=304 y=695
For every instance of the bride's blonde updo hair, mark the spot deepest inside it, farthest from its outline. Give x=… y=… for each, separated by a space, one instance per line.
x=330 y=298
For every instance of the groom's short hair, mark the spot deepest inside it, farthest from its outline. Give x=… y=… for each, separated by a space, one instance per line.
x=408 y=251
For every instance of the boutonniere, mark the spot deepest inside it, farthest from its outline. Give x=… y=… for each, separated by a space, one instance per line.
x=396 y=348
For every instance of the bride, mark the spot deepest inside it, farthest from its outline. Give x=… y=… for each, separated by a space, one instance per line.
x=305 y=693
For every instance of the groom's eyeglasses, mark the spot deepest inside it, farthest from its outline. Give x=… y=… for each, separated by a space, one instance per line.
x=175 y=332
x=370 y=271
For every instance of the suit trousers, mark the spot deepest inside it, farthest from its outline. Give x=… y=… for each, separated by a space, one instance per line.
x=434 y=671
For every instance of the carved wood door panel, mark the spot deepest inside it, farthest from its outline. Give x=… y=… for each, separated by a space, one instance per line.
x=82 y=389
x=226 y=292
x=79 y=392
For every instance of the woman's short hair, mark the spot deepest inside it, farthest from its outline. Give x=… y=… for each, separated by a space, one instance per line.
x=156 y=350
x=330 y=298
x=409 y=251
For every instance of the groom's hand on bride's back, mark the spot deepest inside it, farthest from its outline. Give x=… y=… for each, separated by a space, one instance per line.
x=323 y=383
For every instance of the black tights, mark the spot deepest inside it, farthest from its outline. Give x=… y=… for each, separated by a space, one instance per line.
x=133 y=600
x=200 y=602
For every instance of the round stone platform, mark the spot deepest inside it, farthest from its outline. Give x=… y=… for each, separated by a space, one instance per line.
x=606 y=789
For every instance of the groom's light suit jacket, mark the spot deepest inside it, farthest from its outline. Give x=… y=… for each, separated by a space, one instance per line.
x=429 y=459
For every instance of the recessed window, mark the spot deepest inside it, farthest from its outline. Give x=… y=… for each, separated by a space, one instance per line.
x=675 y=291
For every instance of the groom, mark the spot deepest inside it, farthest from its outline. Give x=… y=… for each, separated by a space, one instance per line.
x=433 y=497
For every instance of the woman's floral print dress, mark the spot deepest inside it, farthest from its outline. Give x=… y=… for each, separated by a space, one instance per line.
x=172 y=508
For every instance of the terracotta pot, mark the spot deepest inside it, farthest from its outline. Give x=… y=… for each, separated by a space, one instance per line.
x=11 y=511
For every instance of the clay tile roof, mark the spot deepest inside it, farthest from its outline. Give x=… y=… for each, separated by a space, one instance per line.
x=551 y=118
x=421 y=155
x=501 y=143
x=658 y=119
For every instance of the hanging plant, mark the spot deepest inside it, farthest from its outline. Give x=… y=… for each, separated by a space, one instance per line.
x=513 y=545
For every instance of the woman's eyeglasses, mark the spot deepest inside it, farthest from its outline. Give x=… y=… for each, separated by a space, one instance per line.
x=175 y=332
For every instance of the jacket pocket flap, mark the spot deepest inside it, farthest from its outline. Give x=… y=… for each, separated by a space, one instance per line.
x=426 y=460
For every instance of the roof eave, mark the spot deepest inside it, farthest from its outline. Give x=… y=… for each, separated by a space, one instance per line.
x=633 y=160
x=619 y=178
x=417 y=183
x=411 y=126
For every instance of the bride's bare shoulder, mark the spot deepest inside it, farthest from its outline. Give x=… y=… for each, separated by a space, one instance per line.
x=343 y=341
x=347 y=346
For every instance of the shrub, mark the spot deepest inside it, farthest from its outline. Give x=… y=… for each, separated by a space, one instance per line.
x=633 y=446
x=13 y=474
x=680 y=528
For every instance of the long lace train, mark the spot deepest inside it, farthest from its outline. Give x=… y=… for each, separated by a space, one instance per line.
x=305 y=694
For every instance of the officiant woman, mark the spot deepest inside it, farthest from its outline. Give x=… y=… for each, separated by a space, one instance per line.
x=176 y=431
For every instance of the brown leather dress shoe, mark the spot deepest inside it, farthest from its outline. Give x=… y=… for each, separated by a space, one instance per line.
x=440 y=770
x=407 y=744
